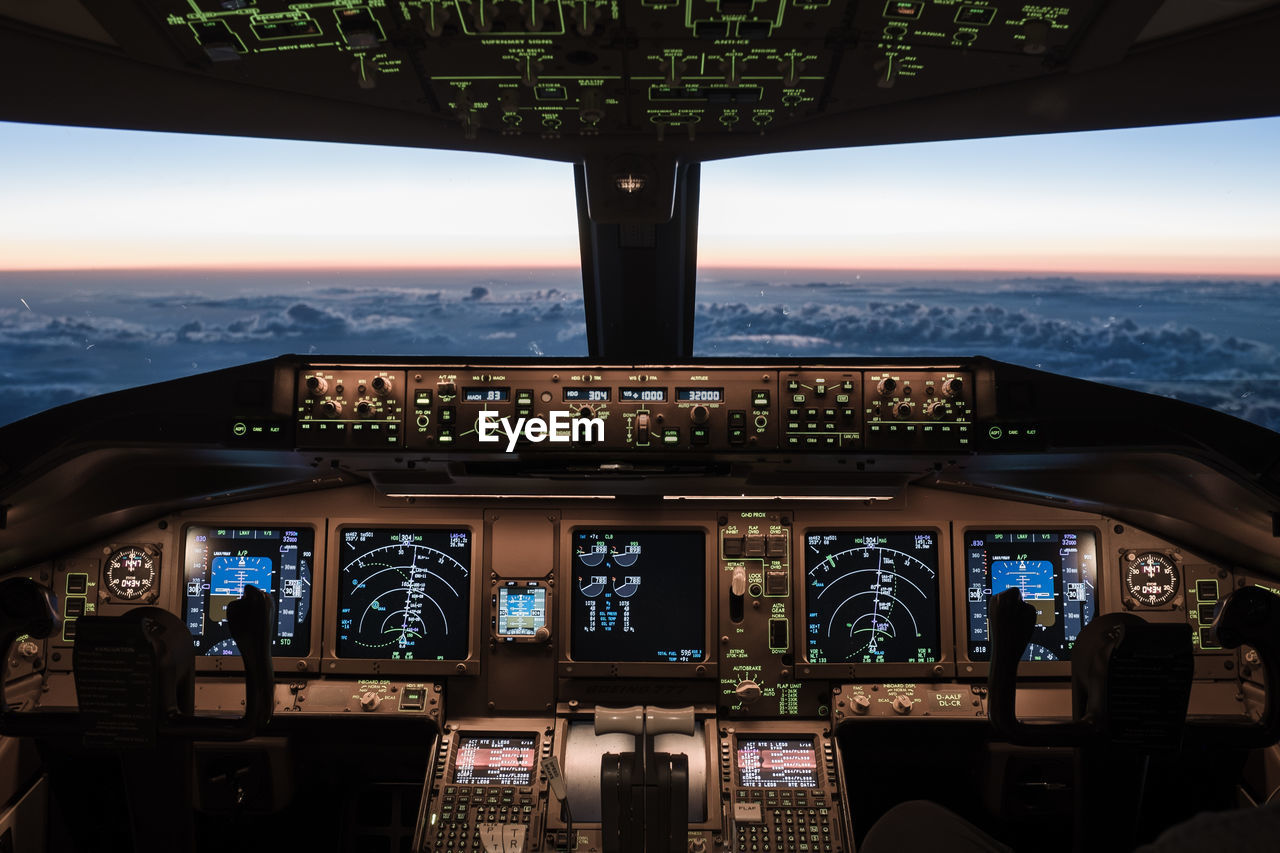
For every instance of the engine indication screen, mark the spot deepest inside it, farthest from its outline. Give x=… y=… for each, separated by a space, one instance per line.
x=521 y=611
x=872 y=597
x=639 y=596
x=1056 y=571
x=404 y=593
x=493 y=759
x=220 y=562
x=777 y=762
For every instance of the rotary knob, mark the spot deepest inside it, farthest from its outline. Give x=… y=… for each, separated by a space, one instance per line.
x=364 y=408
x=902 y=704
x=935 y=409
x=699 y=414
x=747 y=691
x=331 y=408
x=317 y=384
x=381 y=385
x=902 y=411
x=370 y=700
x=887 y=386
x=953 y=387
x=861 y=705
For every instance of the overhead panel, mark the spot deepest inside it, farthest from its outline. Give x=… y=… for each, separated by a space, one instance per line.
x=657 y=69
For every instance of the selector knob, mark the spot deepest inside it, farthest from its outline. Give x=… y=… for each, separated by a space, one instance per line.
x=699 y=414
x=28 y=649
x=902 y=704
x=861 y=705
x=902 y=411
x=747 y=691
x=586 y=412
x=331 y=408
x=953 y=387
x=364 y=409
x=887 y=386
x=936 y=410
x=381 y=385
x=370 y=700
x=317 y=384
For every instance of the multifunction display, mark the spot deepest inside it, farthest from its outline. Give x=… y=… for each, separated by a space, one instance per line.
x=1056 y=572
x=777 y=762
x=403 y=593
x=495 y=759
x=639 y=596
x=219 y=562
x=871 y=597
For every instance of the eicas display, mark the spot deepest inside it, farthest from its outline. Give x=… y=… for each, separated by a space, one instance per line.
x=639 y=596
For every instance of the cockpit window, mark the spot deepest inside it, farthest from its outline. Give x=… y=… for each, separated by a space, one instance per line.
x=1147 y=258
x=128 y=257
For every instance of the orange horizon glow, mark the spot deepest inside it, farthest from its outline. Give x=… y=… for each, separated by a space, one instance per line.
x=1261 y=270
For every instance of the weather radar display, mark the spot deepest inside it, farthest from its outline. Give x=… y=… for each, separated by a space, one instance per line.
x=872 y=597
x=1054 y=570
x=639 y=596
x=404 y=594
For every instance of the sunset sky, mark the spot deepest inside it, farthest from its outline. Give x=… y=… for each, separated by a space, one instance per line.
x=1192 y=199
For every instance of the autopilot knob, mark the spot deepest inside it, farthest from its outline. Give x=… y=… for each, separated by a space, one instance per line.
x=370 y=700
x=586 y=412
x=699 y=414
x=747 y=691
x=902 y=704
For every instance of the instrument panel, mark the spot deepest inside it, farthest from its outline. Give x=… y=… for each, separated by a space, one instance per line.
x=758 y=609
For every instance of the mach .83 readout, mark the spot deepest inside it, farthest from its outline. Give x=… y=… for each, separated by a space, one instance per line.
x=872 y=597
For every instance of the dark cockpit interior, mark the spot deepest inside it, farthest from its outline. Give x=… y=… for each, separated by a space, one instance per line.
x=641 y=601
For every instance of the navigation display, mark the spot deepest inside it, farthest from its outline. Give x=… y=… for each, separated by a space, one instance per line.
x=219 y=562
x=505 y=759
x=404 y=593
x=872 y=597
x=639 y=596
x=1056 y=572
x=777 y=762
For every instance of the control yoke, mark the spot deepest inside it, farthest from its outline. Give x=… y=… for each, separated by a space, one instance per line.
x=644 y=795
x=1131 y=680
x=143 y=662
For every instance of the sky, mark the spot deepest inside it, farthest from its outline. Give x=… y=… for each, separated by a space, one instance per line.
x=1183 y=200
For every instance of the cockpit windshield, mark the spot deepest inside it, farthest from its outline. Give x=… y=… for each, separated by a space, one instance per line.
x=1147 y=258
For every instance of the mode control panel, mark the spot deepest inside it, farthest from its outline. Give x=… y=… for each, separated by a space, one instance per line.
x=644 y=410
